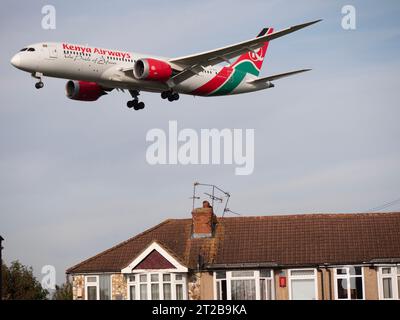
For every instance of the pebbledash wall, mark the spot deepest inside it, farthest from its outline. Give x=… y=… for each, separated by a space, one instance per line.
x=321 y=257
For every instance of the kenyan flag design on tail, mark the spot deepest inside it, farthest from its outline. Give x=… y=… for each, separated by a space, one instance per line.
x=251 y=62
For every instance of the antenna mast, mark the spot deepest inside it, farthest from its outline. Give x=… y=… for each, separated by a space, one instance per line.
x=217 y=194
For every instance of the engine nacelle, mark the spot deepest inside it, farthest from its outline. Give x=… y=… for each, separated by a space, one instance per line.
x=152 y=69
x=83 y=90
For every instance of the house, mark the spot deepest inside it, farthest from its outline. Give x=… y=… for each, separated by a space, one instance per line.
x=310 y=256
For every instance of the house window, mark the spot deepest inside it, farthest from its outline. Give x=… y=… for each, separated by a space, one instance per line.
x=266 y=283
x=349 y=283
x=98 y=287
x=244 y=285
x=157 y=286
x=91 y=288
x=389 y=283
x=167 y=286
x=303 y=284
x=220 y=282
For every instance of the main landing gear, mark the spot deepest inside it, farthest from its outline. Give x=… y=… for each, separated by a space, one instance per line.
x=170 y=95
x=39 y=84
x=135 y=104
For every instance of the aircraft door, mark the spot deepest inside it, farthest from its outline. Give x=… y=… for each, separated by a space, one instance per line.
x=52 y=51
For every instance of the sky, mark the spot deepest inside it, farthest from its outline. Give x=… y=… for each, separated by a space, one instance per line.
x=74 y=179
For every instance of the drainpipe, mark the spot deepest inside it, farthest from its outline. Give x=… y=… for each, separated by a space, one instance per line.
x=330 y=283
x=322 y=283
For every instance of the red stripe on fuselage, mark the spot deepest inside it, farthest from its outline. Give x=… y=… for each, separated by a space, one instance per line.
x=214 y=83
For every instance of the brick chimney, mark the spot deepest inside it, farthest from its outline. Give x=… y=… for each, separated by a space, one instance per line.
x=203 y=221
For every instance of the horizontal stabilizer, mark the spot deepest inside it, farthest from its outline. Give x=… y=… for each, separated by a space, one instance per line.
x=277 y=76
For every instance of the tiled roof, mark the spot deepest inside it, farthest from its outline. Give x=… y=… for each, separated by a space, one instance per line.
x=291 y=240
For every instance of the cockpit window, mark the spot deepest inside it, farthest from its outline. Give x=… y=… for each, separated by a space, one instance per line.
x=24 y=49
x=31 y=49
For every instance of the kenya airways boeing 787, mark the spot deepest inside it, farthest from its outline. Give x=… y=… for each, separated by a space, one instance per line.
x=95 y=71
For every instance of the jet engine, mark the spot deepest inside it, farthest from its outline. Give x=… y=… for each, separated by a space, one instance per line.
x=83 y=90
x=152 y=69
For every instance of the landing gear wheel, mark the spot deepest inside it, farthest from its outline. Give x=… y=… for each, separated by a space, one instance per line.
x=135 y=104
x=39 y=85
x=164 y=95
x=173 y=97
x=139 y=106
x=129 y=104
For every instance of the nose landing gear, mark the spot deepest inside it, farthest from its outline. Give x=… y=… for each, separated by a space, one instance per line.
x=135 y=104
x=39 y=84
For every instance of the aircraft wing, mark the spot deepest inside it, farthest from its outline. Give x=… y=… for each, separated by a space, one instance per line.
x=277 y=76
x=193 y=64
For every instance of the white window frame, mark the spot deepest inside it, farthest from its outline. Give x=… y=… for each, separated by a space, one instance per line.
x=97 y=285
x=314 y=277
x=394 y=276
x=256 y=277
x=92 y=284
x=347 y=276
x=160 y=282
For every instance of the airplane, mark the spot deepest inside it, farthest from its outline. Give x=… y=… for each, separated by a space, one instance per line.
x=95 y=72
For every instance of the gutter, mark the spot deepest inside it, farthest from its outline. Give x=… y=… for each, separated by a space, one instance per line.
x=241 y=265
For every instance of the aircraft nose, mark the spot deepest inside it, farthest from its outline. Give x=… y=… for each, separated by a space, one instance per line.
x=16 y=61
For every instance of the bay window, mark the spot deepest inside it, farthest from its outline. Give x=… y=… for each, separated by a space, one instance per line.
x=156 y=286
x=349 y=283
x=244 y=285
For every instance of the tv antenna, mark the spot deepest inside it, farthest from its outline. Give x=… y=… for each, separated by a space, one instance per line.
x=216 y=195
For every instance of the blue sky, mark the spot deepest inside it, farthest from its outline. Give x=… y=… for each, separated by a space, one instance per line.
x=74 y=178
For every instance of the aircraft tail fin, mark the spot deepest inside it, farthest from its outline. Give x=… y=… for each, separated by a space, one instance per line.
x=251 y=61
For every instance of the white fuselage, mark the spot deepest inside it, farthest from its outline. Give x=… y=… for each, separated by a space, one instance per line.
x=108 y=68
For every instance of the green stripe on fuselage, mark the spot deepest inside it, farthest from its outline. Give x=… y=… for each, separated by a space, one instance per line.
x=236 y=78
x=233 y=81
